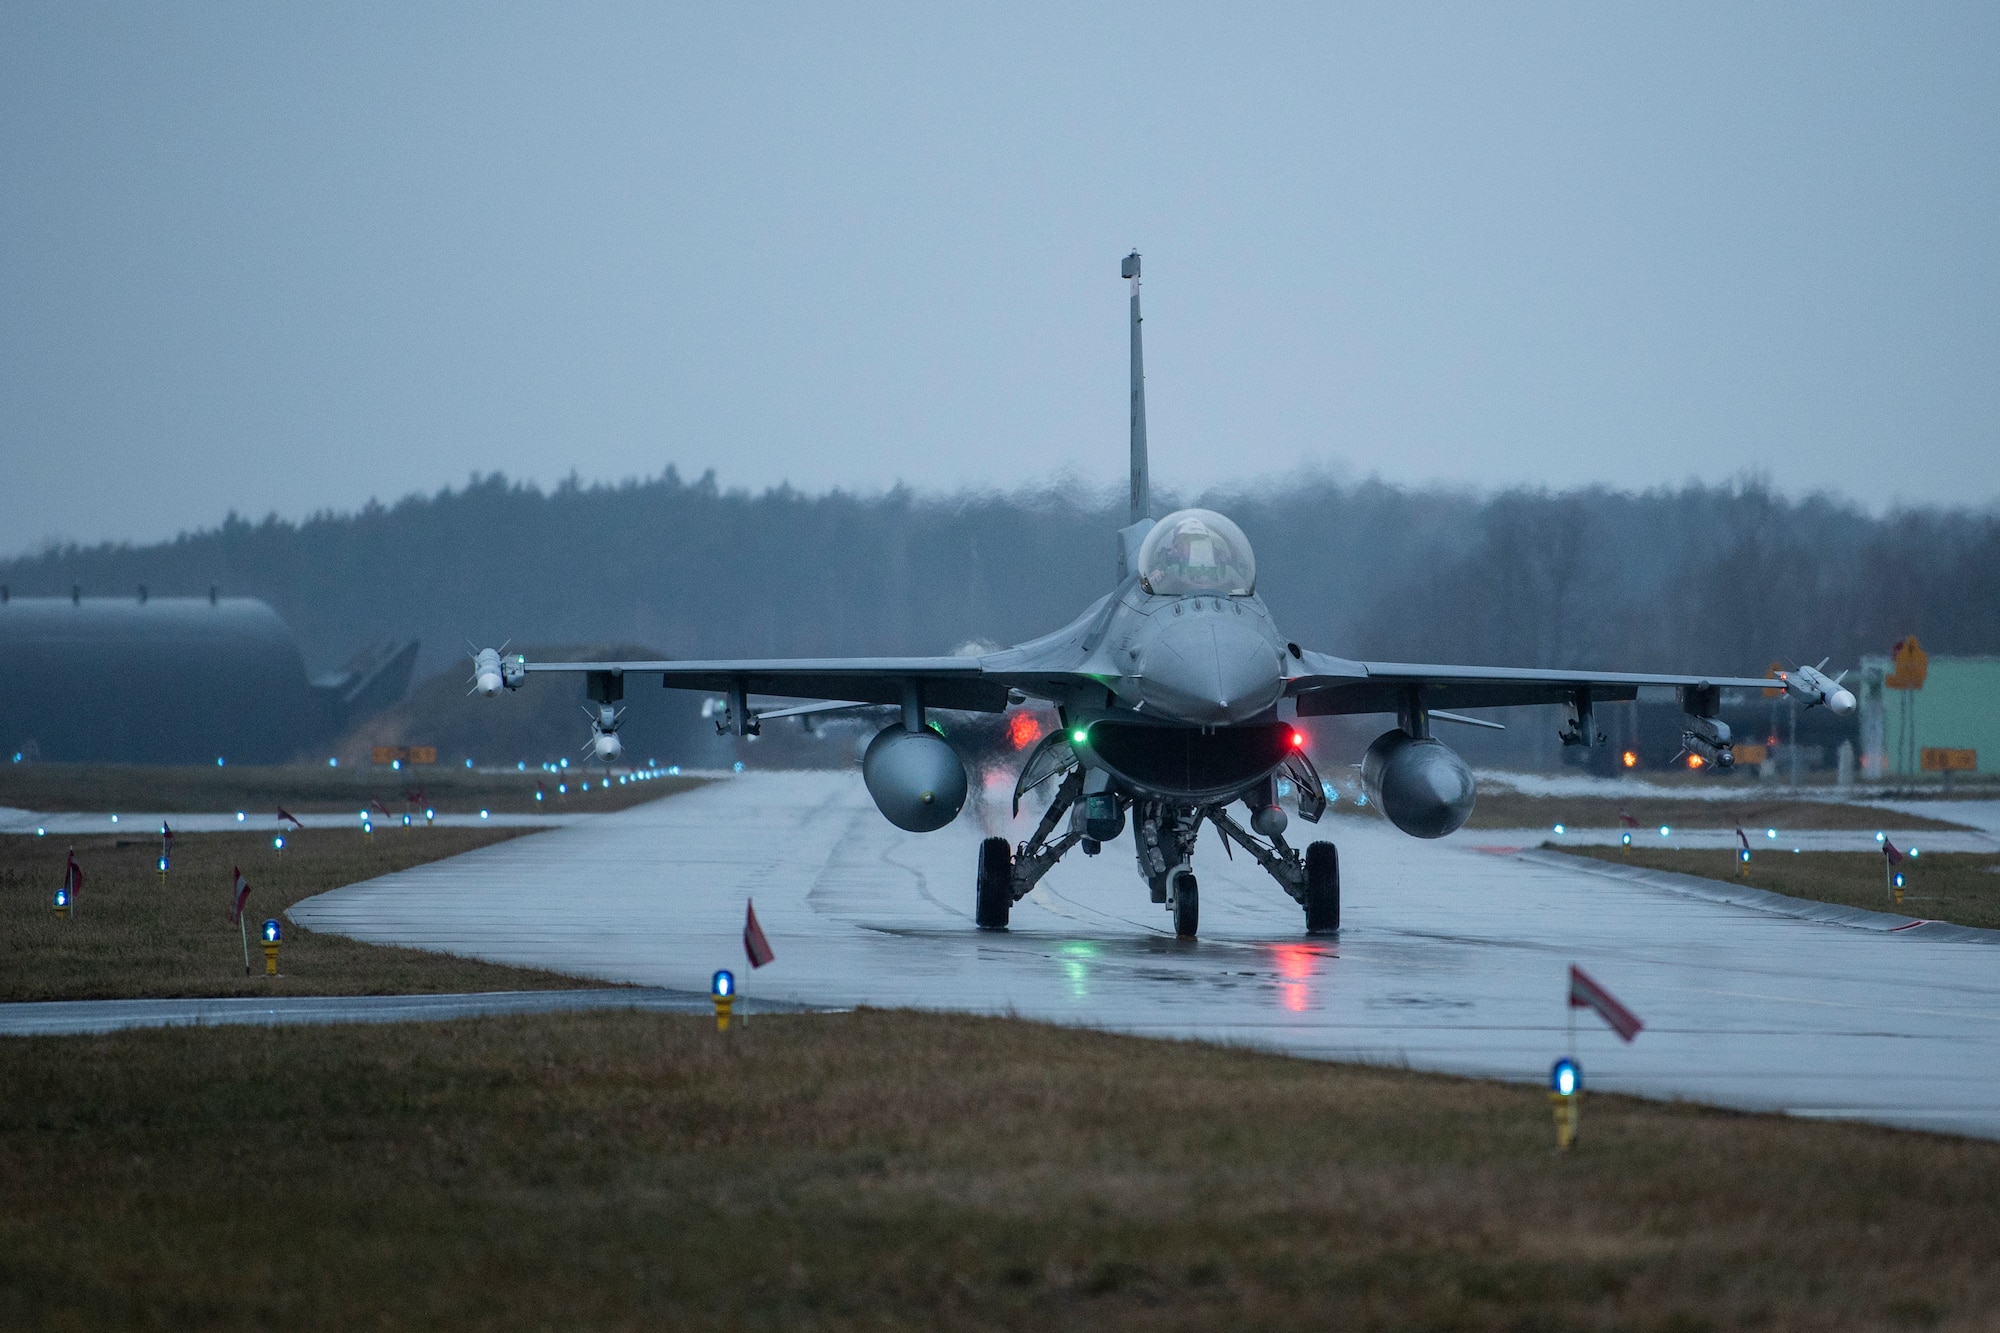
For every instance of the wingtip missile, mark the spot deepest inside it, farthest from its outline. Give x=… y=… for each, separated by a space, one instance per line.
x=1815 y=687
x=492 y=673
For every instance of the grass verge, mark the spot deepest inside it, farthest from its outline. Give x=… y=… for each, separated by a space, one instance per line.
x=1960 y=887
x=315 y=789
x=135 y=934
x=1510 y=809
x=899 y=1170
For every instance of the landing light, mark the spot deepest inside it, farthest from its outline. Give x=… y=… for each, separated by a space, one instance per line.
x=278 y=844
x=1771 y=833
x=1913 y=851
x=1878 y=835
x=1565 y=1078
x=1559 y=828
x=239 y=816
x=1665 y=830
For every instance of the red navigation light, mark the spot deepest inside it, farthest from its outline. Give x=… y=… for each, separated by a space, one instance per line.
x=1630 y=759
x=1298 y=739
x=1023 y=730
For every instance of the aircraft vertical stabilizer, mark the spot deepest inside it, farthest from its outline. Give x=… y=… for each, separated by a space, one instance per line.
x=1141 y=483
x=1140 y=521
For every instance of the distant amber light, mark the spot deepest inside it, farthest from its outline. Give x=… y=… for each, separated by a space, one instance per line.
x=1630 y=759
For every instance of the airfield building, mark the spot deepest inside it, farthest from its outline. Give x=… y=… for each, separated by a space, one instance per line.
x=169 y=680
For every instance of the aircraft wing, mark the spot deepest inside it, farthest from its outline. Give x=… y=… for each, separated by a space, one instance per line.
x=945 y=682
x=1328 y=685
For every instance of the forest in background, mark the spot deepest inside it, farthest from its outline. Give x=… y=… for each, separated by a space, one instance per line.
x=1701 y=578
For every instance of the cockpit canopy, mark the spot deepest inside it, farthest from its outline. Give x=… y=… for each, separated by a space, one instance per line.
x=1197 y=551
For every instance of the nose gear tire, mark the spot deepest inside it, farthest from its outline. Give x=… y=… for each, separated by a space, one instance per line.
x=994 y=894
x=1322 y=889
x=1187 y=905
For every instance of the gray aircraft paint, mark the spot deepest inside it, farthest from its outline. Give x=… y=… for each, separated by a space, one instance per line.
x=1202 y=669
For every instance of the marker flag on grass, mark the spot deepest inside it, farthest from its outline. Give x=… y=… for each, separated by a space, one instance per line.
x=754 y=943
x=1625 y=818
x=73 y=876
x=1743 y=838
x=1585 y=993
x=1889 y=850
x=242 y=897
x=288 y=815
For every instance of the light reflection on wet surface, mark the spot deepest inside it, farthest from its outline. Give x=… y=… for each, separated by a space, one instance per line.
x=1449 y=959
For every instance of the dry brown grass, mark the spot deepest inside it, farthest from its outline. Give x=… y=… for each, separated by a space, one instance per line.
x=312 y=789
x=897 y=1170
x=1960 y=887
x=1510 y=809
x=136 y=935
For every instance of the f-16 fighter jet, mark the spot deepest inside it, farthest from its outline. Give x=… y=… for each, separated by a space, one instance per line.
x=1169 y=688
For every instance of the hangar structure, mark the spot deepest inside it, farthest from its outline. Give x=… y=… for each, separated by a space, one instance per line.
x=172 y=680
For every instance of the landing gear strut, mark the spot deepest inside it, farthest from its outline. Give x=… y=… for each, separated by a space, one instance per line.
x=1164 y=836
x=1313 y=880
x=1006 y=877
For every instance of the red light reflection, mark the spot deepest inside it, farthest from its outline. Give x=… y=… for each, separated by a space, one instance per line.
x=1296 y=964
x=1023 y=730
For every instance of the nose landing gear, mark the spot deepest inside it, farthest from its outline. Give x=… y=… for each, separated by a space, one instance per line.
x=1184 y=899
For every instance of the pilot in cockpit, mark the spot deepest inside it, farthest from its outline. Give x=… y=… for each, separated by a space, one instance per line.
x=1196 y=551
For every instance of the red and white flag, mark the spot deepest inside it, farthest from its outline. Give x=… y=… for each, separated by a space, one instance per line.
x=1743 y=838
x=754 y=943
x=288 y=815
x=1890 y=850
x=1625 y=818
x=73 y=877
x=242 y=897
x=1585 y=993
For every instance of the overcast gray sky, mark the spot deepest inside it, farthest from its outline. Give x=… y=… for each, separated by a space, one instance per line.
x=286 y=257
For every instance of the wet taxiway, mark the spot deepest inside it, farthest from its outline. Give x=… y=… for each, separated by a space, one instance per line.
x=1451 y=957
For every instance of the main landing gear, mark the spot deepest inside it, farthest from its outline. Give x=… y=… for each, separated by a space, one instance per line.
x=1165 y=835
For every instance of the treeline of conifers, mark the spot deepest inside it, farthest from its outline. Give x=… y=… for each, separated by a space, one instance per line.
x=1703 y=578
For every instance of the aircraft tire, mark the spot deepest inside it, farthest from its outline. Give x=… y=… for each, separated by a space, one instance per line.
x=1322 y=889
x=994 y=894
x=1187 y=905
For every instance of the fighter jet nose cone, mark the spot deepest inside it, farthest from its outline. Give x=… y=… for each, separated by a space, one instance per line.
x=1208 y=670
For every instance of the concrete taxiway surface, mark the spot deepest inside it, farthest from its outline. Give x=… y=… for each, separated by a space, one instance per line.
x=70 y=1017
x=1451 y=958
x=142 y=824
